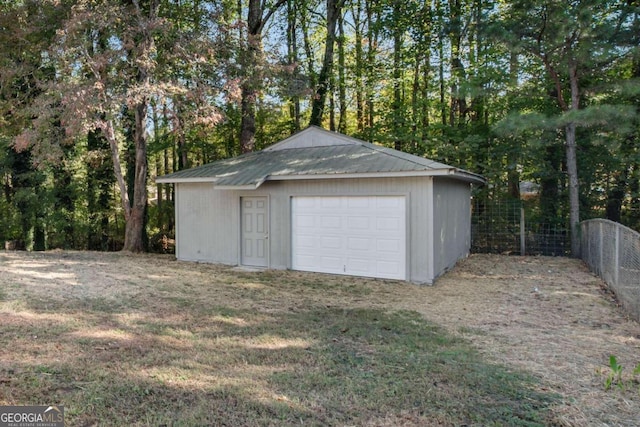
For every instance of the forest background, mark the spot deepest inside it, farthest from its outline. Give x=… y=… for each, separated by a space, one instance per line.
x=99 y=97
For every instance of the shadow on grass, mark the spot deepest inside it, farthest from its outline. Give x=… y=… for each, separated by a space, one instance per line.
x=323 y=366
x=372 y=366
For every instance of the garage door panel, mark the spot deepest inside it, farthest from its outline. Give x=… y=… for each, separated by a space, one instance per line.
x=360 y=266
x=330 y=242
x=326 y=262
x=331 y=222
x=390 y=269
x=306 y=261
x=358 y=244
x=388 y=224
x=330 y=263
x=305 y=221
x=388 y=245
x=357 y=202
x=305 y=241
x=363 y=236
x=358 y=223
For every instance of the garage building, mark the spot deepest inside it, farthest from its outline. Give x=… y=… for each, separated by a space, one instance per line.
x=325 y=202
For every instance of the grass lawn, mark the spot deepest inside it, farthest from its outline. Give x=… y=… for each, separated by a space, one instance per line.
x=145 y=340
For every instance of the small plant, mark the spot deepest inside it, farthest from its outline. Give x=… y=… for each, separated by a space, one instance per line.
x=615 y=374
x=614 y=377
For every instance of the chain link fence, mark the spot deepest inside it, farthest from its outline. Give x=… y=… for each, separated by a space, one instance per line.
x=612 y=251
x=508 y=227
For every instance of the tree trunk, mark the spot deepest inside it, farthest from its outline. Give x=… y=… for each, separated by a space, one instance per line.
x=415 y=110
x=372 y=42
x=292 y=49
x=441 y=59
x=248 y=120
x=134 y=238
x=397 y=116
x=342 y=84
x=425 y=102
x=359 y=66
x=110 y=134
x=252 y=64
x=169 y=189
x=574 y=200
x=307 y=43
x=570 y=141
x=134 y=202
x=572 y=166
x=513 y=155
x=324 y=77
x=458 y=75
x=332 y=105
x=159 y=172
x=634 y=173
x=249 y=86
x=183 y=152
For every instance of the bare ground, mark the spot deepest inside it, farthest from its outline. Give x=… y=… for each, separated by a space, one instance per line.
x=549 y=317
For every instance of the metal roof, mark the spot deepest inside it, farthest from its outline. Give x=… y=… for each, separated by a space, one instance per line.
x=315 y=153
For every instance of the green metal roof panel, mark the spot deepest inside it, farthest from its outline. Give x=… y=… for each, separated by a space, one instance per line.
x=254 y=168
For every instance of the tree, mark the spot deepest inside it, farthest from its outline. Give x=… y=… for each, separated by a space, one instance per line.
x=28 y=29
x=93 y=92
x=334 y=10
x=258 y=14
x=100 y=80
x=100 y=181
x=571 y=41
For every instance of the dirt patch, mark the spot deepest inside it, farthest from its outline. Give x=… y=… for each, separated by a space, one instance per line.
x=546 y=316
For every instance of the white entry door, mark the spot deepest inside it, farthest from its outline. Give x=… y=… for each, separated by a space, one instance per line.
x=255 y=231
x=358 y=236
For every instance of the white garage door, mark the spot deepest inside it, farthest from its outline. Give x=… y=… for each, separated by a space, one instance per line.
x=359 y=236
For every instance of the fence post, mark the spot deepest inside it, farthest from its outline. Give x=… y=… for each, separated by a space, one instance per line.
x=601 y=254
x=584 y=229
x=522 y=233
x=616 y=272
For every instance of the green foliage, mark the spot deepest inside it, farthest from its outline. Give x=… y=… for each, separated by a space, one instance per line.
x=614 y=376
x=466 y=83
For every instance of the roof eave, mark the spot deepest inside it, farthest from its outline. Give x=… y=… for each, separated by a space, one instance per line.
x=177 y=180
x=450 y=172
x=238 y=187
x=453 y=173
x=470 y=177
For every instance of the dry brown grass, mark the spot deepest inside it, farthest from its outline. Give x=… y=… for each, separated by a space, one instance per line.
x=156 y=320
x=552 y=318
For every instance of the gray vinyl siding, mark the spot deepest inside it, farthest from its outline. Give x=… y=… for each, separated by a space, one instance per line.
x=208 y=227
x=452 y=223
x=206 y=224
